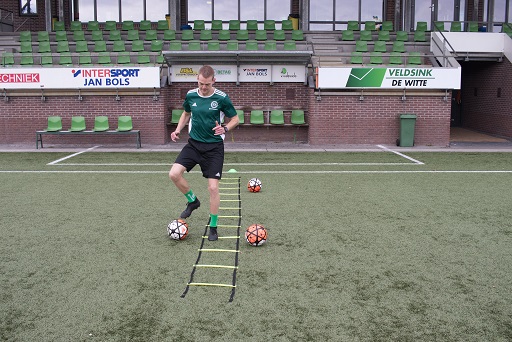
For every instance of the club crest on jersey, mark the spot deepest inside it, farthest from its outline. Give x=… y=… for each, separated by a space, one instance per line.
x=214 y=105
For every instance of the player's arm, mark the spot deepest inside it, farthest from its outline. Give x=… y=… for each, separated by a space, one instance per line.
x=184 y=118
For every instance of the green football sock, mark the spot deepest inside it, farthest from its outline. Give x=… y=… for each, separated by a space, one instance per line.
x=213 y=220
x=190 y=196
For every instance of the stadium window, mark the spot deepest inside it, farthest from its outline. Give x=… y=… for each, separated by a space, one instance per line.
x=276 y=10
x=86 y=10
x=345 y=11
x=28 y=7
x=156 y=10
x=371 y=10
x=252 y=9
x=107 y=11
x=133 y=10
x=200 y=10
x=225 y=9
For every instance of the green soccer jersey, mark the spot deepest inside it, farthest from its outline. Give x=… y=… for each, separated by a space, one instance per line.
x=205 y=111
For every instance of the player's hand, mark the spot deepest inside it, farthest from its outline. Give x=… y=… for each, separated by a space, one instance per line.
x=218 y=129
x=175 y=136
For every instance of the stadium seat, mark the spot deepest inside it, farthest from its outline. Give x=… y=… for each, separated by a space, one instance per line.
x=353 y=25
x=114 y=35
x=472 y=26
x=61 y=36
x=145 y=25
x=379 y=46
x=162 y=25
x=369 y=25
x=205 y=35
x=96 y=36
x=123 y=58
x=63 y=46
x=224 y=35
x=257 y=117
x=101 y=123
x=287 y=25
x=81 y=46
x=65 y=59
x=398 y=46
x=27 y=59
x=361 y=46
x=387 y=26
x=119 y=46
x=176 y=115
x=251 y=45
x=356 y=57
x=199 y=25
x=421 y=26
x=347 y=35
x=59 y=26
x=137 y=46
x=376 y=58
x=160 y=59
x=127 y=25
x=242 y=35
x=232 y=45
x=143 y=58
x=187 y=35
x=194 y=45
x=420 y=36
x=169 y=35
x=414 y=58
x=104 y=58
x=124 y=123
x=78 y=36
x=270 y=45
x=100 y=46
x=132 y=35
x=269 y=25
x=241 y=118
x=297 y=35
x=8 y=58
x=93 y=25
x=402 y=36
x=44 y=47
x=290 y=45
x=234 y=25
x=395 y=58
x=84 y=59
x=54 y=124
x=157 y=45
x=277 y=117
x=297 y=117
x=456 y=26
x=252 y=25
x=216 y=25
x=279 y=35
x=365 y=35
x=25 y=47
x=175 y=45
x=384 y=36
x=75 y=26
x=43 y=36
x=213 y=45
x=77 y=124
x=260 y=35
x=110 y=25
x=46 y=59
x=151 y=35
x=439 y=26
x=25 y=36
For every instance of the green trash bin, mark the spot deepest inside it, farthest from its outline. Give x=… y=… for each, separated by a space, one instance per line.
x=407 y=122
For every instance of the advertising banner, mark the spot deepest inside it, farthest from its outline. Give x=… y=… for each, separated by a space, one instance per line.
x=188 y=73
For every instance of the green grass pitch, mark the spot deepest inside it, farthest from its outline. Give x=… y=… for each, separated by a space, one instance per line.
x=362 y=247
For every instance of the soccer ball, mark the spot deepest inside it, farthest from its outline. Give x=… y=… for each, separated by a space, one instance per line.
x=256 y=235
x=254 y=185
x=177 y=229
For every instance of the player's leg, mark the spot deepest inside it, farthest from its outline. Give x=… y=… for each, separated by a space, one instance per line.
x=213 y=189
x=185 y=161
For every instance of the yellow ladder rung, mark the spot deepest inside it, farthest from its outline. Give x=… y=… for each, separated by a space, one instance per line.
x=228 y=183
x=228 y=208
x=218 y=250
x=216 y=266
x=229 y=200
x=228 y=188
x=228 y=194
x=210 y=284
x=224 y=237
x=227 y=226
x=230 y=178
x=229 y=216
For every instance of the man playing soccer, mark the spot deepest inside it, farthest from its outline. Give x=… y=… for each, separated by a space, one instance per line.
x=204 y=109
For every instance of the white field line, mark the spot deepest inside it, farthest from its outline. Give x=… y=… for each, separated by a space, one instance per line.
x=239 y=164
x=71 y=156
x=401 y=155
x=263 y=172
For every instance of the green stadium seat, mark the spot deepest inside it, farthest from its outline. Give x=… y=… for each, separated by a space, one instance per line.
x=93 y=25
x=96 y=35
x=456 y=26
x=279 y=35
x=356 y=57
x=199 y=25
x=46 y=59
x=132 y=35
x=376 y=58
x=61 y=36
x=78 y=36
x=7 y=59
x=101 y=123
x=137 y=46
x=242 y=35
x=347 y=35
x=157 y=45
x=151 y=35
x=59 y=26
x=251 y=45
x=270 y=45
x=162 y=25
x=420 y=36
x=213 y=45
x=353 y=25
x=124 y=123
x=160 y=59
x=169 y=35
x=54 y=124
x=114 y=35
x=81 y=46
x=290 y=45
x=65 y=59
x=27 y=59
x=85 y=59
x=145 y=25
x=379 y=46
x=287 y=25
x=398 y=46
x=123 y=58
x=365 y=35
x=369 y=25
x=257 y=117
x=387 y=26
x=43 y=36
x=472 y=26
x=44 y=47
x=62 y=46
x=77 y=124
x=127 y=25
x=361 y=46
x=194 y=45
x=104 y=58
x=269 y=25
x=421 y=26
x=187 y=35
x=216 y=25
x=119 y=46
x=176 y=115
x=224 y=35
x=234 y=25
x=297 y=117
x=402 y=36
x=384 y=36
x=75 y=26
x=205 y=35
x=414 y=58
x=143 y=58
x=277 y=117
x=439 y=26
x=252 y=25
x=110 y=25
x=25 y=47
x=232 y=45
x=100 y=46
x=241 y=118
x=260 y=35
x=297 y=35
x=395 y=58
x=175 y=45
x=25 y=36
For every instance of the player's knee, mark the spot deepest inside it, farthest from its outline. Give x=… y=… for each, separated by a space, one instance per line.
x=174 y=175
x=213 y=189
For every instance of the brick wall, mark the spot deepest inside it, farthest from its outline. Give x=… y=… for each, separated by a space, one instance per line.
x=25 y=23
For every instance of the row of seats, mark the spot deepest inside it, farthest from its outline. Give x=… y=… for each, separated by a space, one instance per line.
x=393 y=58
x=101 y=124
x=380 y=46
x=98 y=46
x=349 y=35
x=258 y=117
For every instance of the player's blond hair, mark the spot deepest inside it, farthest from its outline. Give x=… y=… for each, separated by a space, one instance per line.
x=206 y=71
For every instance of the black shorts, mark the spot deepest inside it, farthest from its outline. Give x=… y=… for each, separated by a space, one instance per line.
x=209 y=156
